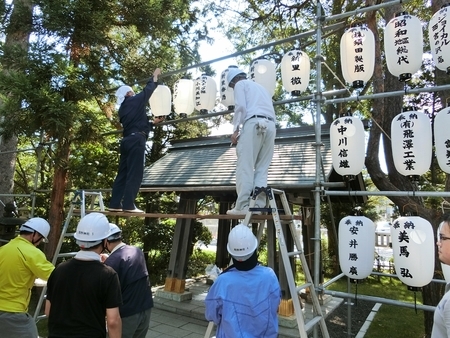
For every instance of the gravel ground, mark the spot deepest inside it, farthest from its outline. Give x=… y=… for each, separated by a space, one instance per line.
x=337 y=321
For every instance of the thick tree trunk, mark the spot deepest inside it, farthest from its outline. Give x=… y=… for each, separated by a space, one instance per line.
x=17 y=35
x=56 y=212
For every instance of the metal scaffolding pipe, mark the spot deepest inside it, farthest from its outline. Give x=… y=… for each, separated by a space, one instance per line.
x=389 y=193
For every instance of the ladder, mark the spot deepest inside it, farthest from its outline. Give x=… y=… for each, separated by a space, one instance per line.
x=78 y=201
x=285 y=255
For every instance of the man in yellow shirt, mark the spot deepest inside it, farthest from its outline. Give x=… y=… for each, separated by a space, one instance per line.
x=21 y=262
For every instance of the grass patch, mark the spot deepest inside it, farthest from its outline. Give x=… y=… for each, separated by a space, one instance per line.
x=391 y=320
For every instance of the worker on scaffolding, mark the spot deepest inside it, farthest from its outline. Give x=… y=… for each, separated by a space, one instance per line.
x=21 y=262
x=243 y=301
x=130 y=264
x=136 y=128
x=83 y=290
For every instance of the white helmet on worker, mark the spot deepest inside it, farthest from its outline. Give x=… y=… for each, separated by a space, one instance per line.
x=121 y=93
x=91 y=230
x=242 y=243
x=233 y=72
x=114 y=232
x=37 y=224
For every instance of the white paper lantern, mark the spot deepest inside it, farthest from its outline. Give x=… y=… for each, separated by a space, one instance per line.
x=403 y=45
x=263 y=72
x=357 y=55
x=413 y=249
x=295 y=71
x=411 y=140
x=347 y=145
x=226 y=92
x=205 y=92
x=183 y=96
x=356 y=246
x=442 y=139
x=439 y=36
x=161 y=101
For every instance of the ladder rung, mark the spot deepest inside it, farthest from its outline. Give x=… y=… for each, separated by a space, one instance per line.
x=95 y=193
x=303 y=286
x=69 y=234
x=295 y=253
x=309 y=325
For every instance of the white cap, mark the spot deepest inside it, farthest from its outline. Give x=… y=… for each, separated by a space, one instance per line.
x=232 y=73
x=242 y=243
x=121 y=92
x=36 y=224
x=91 y=230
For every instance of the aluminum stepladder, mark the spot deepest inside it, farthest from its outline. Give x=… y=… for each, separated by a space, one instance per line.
x=79 y=200
x=285 y=255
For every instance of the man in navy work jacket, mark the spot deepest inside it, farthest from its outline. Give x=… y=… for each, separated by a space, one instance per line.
x=130 y=264
x=136 y=127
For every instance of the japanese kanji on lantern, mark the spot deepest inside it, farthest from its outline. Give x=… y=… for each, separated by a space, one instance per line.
x=226 y=92
x=183 y=96
x=439 y=36
x=356 y=246
x=263 y=72
x=442 y=139
x=347 y=145
x=413 y=246
x=411 y=142
x=403 y=45
x=161 y=101
x=295 y=71
x=205 y=93
x=357 y=55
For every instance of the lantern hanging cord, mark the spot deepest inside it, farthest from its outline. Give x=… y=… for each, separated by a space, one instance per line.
x=336 y=77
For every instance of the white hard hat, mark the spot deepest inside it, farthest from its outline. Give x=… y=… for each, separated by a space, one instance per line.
x=91 y=230
x=114 y=232
x=121 y=92
x=242 y=243
x=36 y=224
x=232 y=73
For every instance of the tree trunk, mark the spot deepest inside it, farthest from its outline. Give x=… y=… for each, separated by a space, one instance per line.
x=17 y=35
x=56 y=212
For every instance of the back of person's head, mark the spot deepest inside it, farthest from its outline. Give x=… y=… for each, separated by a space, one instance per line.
x=242 y=243
x=92 y=230
x=233 y=73
x=37 y=224
x=115 y=234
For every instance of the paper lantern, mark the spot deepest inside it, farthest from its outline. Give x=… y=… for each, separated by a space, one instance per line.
x=183 y=96
x=403 y=45
x=263 y=72
x=442 y=139
x=205 y=93
x=357 y=55
x=161 y=101
x=226 y=92
x=413 y=250
x=356 y=246
x=411 y=142
x=439 y=36
x=295 y=71
x=347 y=145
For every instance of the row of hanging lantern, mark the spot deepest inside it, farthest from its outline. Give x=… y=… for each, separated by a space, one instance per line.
x=201 y=94
x=411 y=141
x=413 y=246
x=403 y=47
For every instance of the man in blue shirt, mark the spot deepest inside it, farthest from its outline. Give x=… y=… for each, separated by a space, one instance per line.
x=136 y=127
x=244 y=299
x=130 y=264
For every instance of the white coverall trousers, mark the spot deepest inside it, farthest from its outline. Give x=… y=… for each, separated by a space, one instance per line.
x=254 y=152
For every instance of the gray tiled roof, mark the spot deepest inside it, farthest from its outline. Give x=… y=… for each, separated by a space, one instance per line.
x=208 y=164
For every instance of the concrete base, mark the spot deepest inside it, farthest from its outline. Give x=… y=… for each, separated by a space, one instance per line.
x=178 y=297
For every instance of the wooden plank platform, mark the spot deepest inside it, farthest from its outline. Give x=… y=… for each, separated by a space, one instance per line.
x=189 y=216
